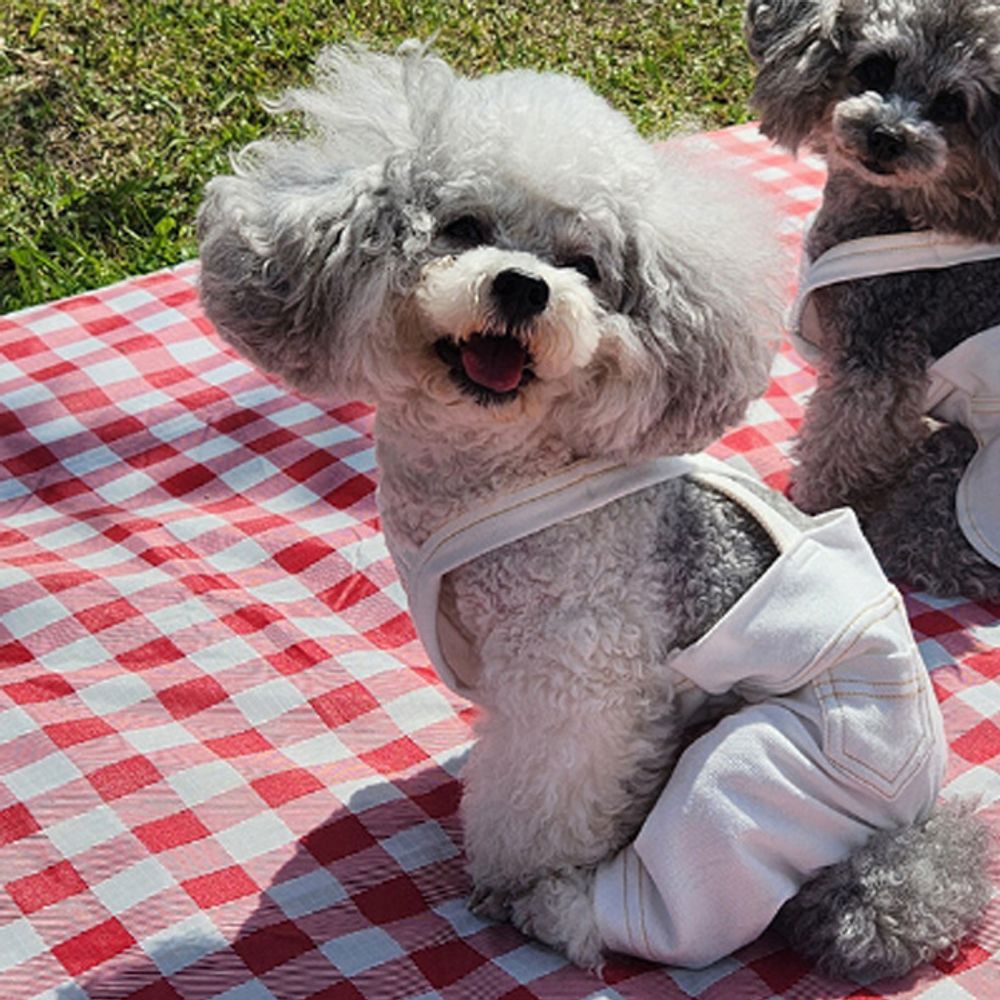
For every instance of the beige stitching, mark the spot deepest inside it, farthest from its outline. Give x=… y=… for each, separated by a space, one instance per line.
x=836 y=694
x=523 y=503
x=836 y=689
x=625 y=906
x=642 y=907
x=891 y=596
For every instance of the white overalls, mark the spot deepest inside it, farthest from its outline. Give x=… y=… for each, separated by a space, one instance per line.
x=964 y=385
x=839 y=732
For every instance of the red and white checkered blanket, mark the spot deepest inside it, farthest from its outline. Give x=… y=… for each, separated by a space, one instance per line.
x=226 y=769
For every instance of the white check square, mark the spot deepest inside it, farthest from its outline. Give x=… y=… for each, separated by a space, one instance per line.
x=139 y=882
x=255 y=836
x=80 y=833
x=41 y=776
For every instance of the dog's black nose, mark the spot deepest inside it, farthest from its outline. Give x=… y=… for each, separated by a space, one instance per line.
x=884 y=145
x=519 y=296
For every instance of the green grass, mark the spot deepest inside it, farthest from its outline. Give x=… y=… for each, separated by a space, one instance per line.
x=114 y=114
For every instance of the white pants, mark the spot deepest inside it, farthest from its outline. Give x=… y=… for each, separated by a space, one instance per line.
x=841 y=734
x=791 y=782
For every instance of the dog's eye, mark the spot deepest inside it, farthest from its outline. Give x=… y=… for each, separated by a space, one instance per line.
x=948 y=108
x=587 y=266
x=876 y=73
x=467 y=230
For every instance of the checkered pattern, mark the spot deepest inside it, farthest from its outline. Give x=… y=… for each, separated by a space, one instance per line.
x=226 y=769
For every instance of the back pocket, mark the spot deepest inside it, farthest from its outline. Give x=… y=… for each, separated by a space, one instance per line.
x=878 y=709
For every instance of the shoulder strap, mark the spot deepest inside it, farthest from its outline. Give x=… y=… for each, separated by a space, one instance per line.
x=874 y=256
x=782 y=530
x=583 y=487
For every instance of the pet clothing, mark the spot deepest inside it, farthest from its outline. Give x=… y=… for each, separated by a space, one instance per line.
x=964 y=385
x=838 y=734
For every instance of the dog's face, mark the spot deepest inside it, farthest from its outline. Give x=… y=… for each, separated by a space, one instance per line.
x=903 y=93
x=481 y=255
x=513 y=300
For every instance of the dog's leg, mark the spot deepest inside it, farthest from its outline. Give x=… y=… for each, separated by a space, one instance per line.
x=857 y=438
x=546 y=799
x=917 y=536
x=559 y=911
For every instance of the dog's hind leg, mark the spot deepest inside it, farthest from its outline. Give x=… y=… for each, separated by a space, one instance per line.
x=917 y=536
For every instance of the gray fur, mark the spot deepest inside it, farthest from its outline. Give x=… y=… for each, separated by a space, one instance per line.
x=864 y=437
x=901 y=900
x=328 y=261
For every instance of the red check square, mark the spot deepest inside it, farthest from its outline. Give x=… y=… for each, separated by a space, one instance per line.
x=303 y=554
x=338 y=840
x=16 y=823
x=74 y=731
x=272 y=946
x=220 y=887
x=980 y=744
x=44 y=687
x=114 y=781
x=277 y=789
x=33 y=892
x=190 y=697
x=88 y=950
x=396 y=899
x=349 y=493
x=348 y=592
x=172 y=831
x=238 y=744
x=396 y=632
x=155 y=653
x=447 y=963
x=344 y=704
x=298 y=657
x=103 y=616
x=399 y=755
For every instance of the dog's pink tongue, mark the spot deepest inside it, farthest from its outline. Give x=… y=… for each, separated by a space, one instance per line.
x=494 y=362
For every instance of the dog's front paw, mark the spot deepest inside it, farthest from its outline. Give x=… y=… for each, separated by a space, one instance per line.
x=490 y=903
x=558 y=910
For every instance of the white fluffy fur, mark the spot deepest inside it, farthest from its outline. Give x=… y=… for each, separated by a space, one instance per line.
x=327 y=260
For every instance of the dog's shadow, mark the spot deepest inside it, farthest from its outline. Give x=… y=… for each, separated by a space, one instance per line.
x=374 y=898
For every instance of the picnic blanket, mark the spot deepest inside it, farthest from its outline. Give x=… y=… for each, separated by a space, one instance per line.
x=226 y=767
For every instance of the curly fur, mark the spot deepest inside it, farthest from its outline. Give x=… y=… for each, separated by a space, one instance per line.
x=901 y=900
x=369 y=258
x=834 y=75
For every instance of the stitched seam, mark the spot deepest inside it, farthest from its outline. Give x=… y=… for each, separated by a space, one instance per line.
x=642 y=907
x=484 y=519
x=625 y=907
x=832 y=644
x=832 y=695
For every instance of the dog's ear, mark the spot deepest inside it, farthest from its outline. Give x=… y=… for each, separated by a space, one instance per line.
x=693 y=342
x=798 y=46
x=298 y=247
x=281 y=274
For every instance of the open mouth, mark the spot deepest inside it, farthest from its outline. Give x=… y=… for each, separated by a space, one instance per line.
x=490 y=367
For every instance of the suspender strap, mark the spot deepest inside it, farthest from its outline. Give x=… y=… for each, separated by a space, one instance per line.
x=875 y=256
x=582 y=488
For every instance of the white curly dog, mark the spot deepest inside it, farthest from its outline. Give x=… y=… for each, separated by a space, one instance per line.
x=548 y=312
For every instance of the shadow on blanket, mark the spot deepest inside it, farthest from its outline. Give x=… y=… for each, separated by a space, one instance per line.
x=390 y=859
